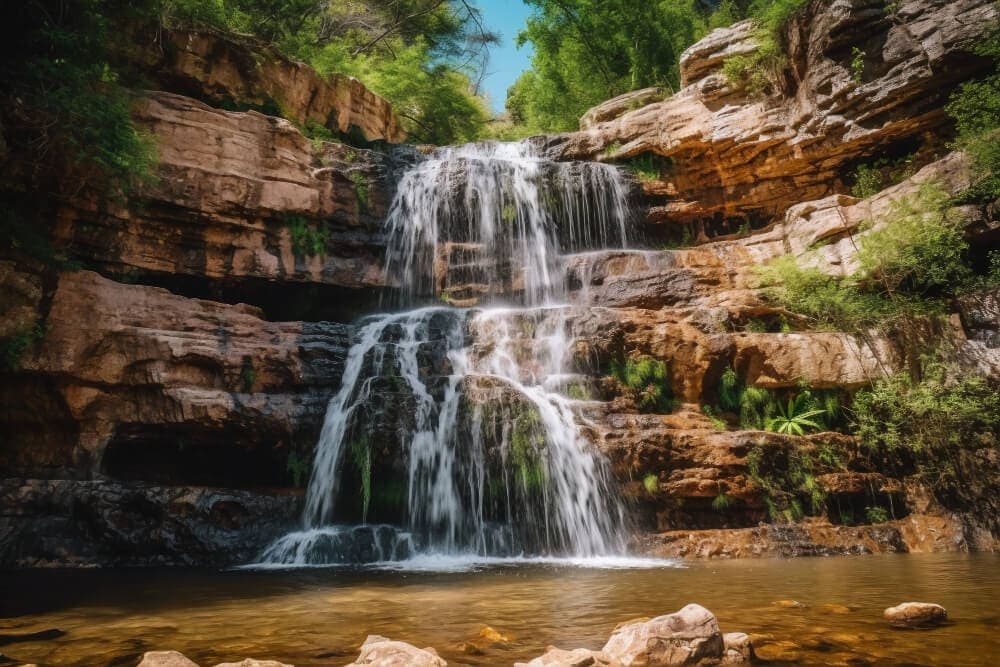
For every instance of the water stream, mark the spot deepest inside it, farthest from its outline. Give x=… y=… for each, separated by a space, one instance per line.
x=464 y=404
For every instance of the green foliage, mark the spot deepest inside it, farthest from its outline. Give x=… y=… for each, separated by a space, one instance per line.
x=757 y=72
x=876 y=514
x=920 y=251
x=718 y=423
x=787 y=479
x=868 y=181
x=649 y=166
x=361 y=456
x=248 y=376
x=307 y=240
x=360 y=188
x=526 y=442
x=722 y=502
x=858 y=65
x=795 y=419
x=934 y=421
x=298 y=467
x=13 y=348
x=65 y=109
x=647 y=382
x=651 y=483
x=976 y=110
x=588 y=51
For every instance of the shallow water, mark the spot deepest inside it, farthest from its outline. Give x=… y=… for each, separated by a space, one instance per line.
x=320 y=616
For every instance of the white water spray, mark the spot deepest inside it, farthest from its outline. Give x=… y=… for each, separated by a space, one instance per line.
x=485 y=439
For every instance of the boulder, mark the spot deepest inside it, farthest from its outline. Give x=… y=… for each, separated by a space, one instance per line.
x=686 y=637
x=165 y=659
x=379 y=651
x=738 y=648
x=916 y=615
x=581 y=657
x=250 y=662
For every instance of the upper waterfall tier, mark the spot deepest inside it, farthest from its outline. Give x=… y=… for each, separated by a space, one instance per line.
x=479 y=222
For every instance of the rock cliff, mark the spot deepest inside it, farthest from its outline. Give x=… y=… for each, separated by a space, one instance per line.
x=171 y=381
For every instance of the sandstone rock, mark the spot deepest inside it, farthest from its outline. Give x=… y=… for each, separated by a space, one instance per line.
x=165 y=659
x=382 y=652
x=153 y=366
x=581 y=657
x=682 y=638
x=615 y=107
x=744 y=156
x=250 y=662
x=493 y=636
x=228 y=186
x=224 y=68
x=915 y=615
x=739 y=649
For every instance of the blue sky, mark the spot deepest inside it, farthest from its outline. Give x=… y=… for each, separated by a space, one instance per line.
x=506 y=61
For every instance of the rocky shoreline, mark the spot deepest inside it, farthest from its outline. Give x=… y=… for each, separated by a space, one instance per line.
x=690 y=636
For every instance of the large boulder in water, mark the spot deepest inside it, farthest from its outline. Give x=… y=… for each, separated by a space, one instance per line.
x=916 y=615
x=383 y=652
x=690 y=636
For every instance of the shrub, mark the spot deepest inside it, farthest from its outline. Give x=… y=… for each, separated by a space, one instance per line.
x=13 y=348
x=646 y=381
x=758 y=71
x=307 y=240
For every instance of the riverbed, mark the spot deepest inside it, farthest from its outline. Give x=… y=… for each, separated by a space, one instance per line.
x=811 y=611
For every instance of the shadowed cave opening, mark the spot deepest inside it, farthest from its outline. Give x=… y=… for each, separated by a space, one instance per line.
x=181 y=455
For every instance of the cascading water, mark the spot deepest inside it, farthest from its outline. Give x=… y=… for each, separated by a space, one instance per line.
x=454 y=422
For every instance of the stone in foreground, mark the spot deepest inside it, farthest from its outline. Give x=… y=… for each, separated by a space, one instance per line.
x=383 y=652
x=690 y=636
x=916 y=615
x=165 y=659
x=581 y=657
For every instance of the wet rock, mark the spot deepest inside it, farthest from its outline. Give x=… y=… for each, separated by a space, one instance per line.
x=380 y=651
x=108 y=523
x=250 y=662
x=493 y=636
x=581 y=657
x=40 y=635
x=788 y=604
x=685 y=637
x=916 y=615
x=835 y=609
x=165 y=659
x=738 y=648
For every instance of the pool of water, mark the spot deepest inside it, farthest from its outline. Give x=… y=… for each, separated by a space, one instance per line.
x=321 y=616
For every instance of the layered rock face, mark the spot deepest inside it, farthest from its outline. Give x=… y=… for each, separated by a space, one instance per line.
x=144 y=424
x=735 y=155
x=168 y=394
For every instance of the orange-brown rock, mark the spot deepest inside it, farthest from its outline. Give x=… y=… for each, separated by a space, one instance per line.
x=230 y=190
x=230 y=69
x=132 y=381
x=737 y=155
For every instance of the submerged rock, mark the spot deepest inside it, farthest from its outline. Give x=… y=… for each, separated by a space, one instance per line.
x=383 y=652
x=916 y=615
x=738 y=648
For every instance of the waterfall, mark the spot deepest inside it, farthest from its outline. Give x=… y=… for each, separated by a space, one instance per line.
x=453 y=425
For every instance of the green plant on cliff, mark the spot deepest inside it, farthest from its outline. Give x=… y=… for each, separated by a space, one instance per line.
x=360 y=450
x=360 y=189
x=13 y=348
x=758 y=71
x=937 y=421
x=976 y=110
x=307 y=240
x=796 y=418
x=66 y=115
x=527 y=439
x=298 y=467
x=646 y=381
x=786 y=477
